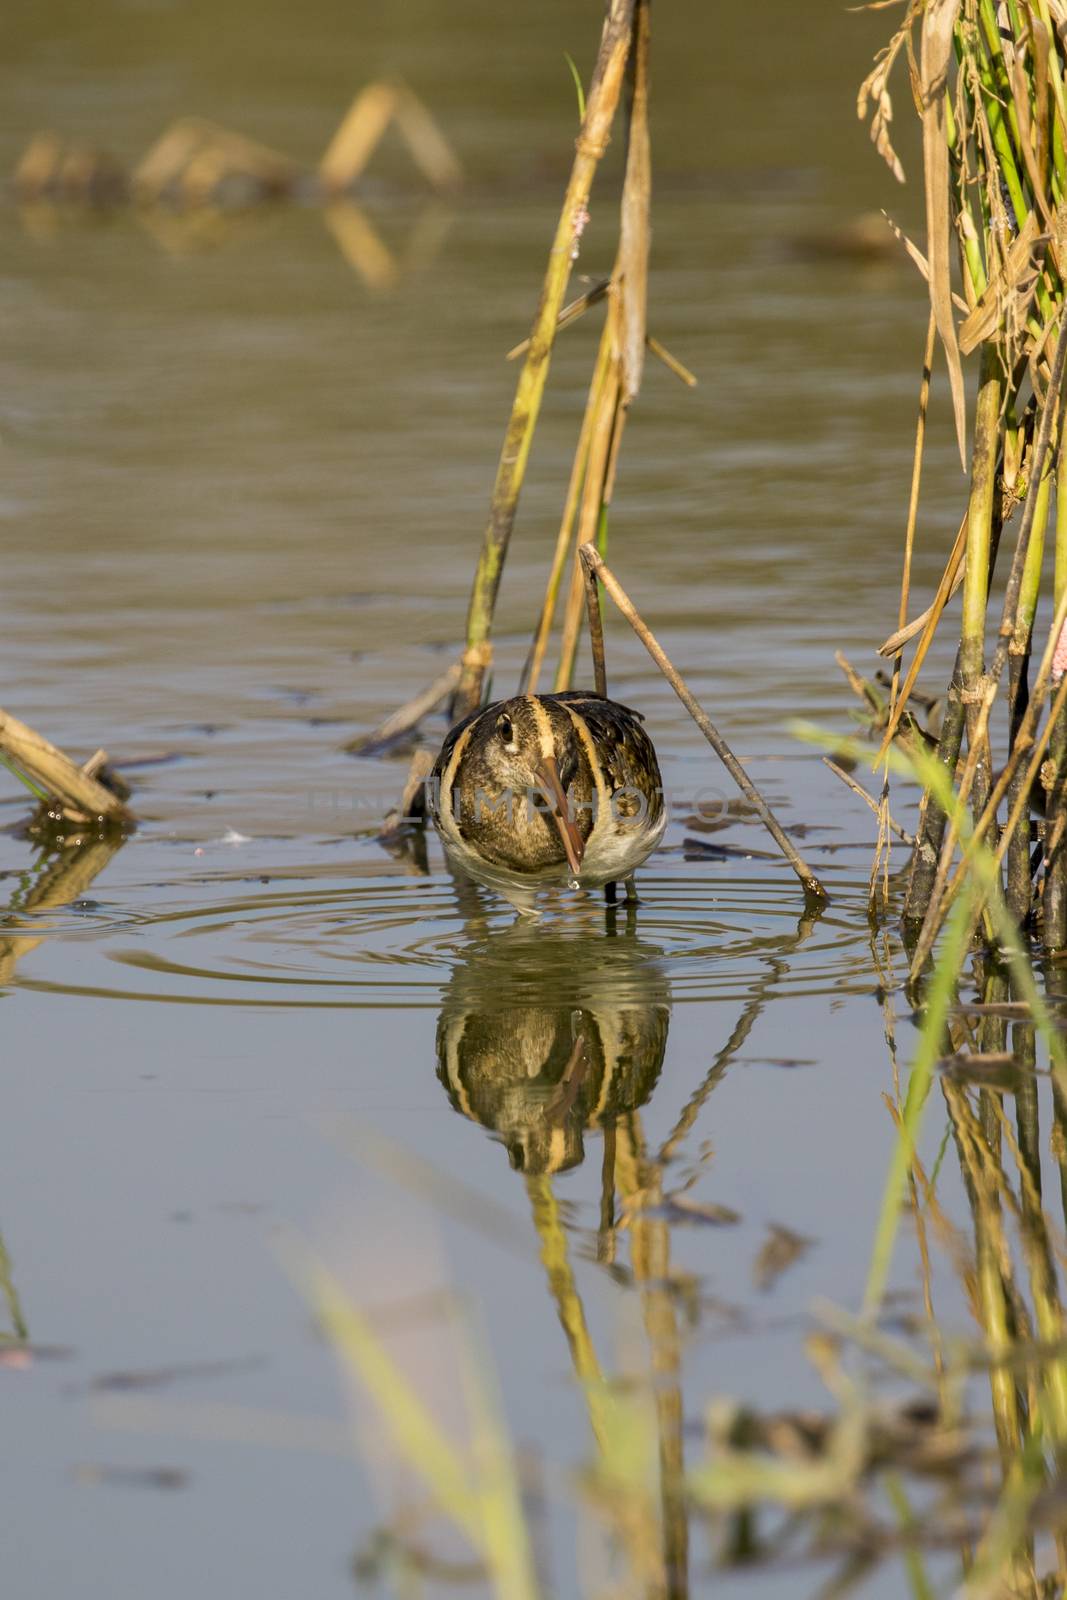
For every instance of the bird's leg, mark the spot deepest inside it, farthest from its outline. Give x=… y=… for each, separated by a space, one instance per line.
x=631 y=892
x=610 y=892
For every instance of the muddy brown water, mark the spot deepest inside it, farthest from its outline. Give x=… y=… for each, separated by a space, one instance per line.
x=241 y=493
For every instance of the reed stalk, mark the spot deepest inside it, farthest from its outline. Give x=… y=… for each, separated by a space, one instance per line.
x=601 y=104
x=1019 y=886
x=979 y=547
x=884 y=820
x=535 y=661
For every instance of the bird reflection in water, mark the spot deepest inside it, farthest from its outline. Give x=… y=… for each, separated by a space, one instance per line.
x=544 y=1036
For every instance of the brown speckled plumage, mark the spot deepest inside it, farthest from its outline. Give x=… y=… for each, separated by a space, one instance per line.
x=550 y=788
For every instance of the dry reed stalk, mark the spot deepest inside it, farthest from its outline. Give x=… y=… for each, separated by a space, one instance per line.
x=357 y=136
x=364 y=125
x=563 y=540
x=193 y=157
x=926 y=624
x=601 y=104
x=935 y=54
x=884 y=821
x=599 y=569
x=606 y=425
x=596 y=631
x=430 y=150
x=55 y=772
x=627 y=320
x=635 y=218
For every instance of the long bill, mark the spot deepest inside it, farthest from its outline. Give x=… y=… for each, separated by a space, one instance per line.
x=573 y=844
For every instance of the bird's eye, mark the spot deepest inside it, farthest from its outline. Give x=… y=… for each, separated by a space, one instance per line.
x=505 y=729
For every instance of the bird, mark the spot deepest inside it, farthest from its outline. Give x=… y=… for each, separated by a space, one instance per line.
x=548 y=789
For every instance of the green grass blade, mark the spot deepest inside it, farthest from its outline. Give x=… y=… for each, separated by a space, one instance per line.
x=578 y=87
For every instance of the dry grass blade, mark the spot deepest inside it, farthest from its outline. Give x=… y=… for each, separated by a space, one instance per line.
x=945 y=589
x=1013 y=286
x=938 y=21
x=920 y=260
x=950 y=582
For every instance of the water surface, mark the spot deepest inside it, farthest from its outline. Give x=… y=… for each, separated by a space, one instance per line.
x=242 y=494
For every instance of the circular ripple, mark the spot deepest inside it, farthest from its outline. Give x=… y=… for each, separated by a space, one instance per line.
x=407 y=940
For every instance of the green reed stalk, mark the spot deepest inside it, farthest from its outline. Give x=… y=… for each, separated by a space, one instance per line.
x=1055 y=908
x=1019 y=882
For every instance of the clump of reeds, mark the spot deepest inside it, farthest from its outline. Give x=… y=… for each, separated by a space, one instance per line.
x=988 y=84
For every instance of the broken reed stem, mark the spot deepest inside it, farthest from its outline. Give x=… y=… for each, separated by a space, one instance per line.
x=40 y=760
x=407 y=716
x=603 y=99
x=535 y=661
x=597 y=567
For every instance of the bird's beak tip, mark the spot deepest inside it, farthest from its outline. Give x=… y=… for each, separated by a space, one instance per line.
x=573 y=843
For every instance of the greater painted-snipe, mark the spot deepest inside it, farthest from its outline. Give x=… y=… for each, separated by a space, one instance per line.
x=548 y=789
